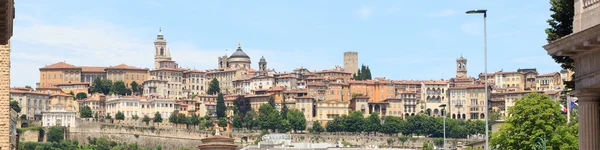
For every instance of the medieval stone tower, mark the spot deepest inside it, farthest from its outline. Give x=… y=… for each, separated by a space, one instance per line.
x=161 y=52
x=262 y=64
x=351 y=62
x=461 y=67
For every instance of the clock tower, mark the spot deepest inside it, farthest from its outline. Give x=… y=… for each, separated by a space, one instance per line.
x=461 y=67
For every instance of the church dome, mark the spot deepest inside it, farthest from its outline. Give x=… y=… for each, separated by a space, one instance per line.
x=263 y=59
x=239 y=53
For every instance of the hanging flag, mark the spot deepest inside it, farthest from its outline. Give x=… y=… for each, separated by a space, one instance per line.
x=563 y=108
x=573 y=104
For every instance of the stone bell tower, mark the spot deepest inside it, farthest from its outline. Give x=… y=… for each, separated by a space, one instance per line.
x=461 y=67
x=161 y=52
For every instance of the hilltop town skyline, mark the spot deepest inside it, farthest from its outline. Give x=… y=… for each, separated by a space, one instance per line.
x=422 y=53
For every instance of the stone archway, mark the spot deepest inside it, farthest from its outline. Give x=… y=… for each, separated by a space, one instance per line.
x=482 y=116
x=454 y=116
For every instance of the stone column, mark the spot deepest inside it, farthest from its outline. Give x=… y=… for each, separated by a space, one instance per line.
x=589 y=121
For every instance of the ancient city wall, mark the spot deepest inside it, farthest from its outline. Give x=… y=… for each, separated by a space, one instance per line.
x=171 y=138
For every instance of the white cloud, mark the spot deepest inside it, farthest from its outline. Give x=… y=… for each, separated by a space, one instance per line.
x=364 y=12
x=443 y=13
x=98 y=43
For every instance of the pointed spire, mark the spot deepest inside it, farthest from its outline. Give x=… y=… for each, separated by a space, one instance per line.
x=239 y=45
x=168 y=52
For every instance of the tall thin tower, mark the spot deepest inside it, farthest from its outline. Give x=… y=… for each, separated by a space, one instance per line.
x=351 y=62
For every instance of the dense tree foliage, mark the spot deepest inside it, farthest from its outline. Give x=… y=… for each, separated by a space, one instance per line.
x=213 y=87
x=81 y=95
x=135 y=87
x=157 y=118
x=15 y=106
x=296 y=120
x=268 y=117
x=119 y=88
x=373 y=123
x=364 y=73
x=85 y=112
x=119 y=115
x=243 y=106
x=250 y=120
x=284 y=110
x=317 y=127
x=237 y=121
x=56 y=134
x=561 y=24
x=101 y=86
x=221 y=108
x=146 y=119
x=534 y=117
x=101 y=143
x=222 y=122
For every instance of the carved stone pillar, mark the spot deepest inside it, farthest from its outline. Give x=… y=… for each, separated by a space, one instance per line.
x=589 y=121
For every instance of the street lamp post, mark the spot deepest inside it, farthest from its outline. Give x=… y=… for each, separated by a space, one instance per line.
x=484 y=12
x=443 y=106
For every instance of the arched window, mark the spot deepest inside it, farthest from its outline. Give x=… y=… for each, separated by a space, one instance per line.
x=162 y=51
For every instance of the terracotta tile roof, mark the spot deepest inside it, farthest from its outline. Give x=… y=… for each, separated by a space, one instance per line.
x=551 y=92
x=167 y=69
x=59 y=65
x=476 y=86
x=296 y=91
x=194 y=71
x=277 y=88
x=507 y=73
x=92 y=69
x=435 y=81
x=15 y=91
x=262 y=77
x=287 y=76
x=463 y=79
x=61 y=94
x=333 y=101
x=220 y=71
x=79 y=83
x=548 y=74
x=262 y=95
x=407 y=81
x=458 y=87
x=127 y=67
x=48 y=88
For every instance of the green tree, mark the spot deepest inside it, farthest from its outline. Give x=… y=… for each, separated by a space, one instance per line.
x=317 y=127
x=249 y=121
x=427 y=145
x=237 y=121
x=213 y=87
x=101 y=86
x=195 y=120
x=272 y=101
x=23 y=117
x=285 y=126
x=119 y=88
x=108 y=116
x=135 y=87
x=363 y=73
x=146 y=119
x=392 y=125
x=181 y=119
x=438 y=142
x=221 y=108
x=28 y=87
x=209 y=123
x=96 y=116
x=338 y=124
x=373 y=123
x=561 y=24
x=355 y=122
x=85 y=112
x=173 y=119
x=268 y=117
x=135 y=117
x=119 y=115
x=15 y=106
x=296 y=120
x=71 y=93
x=81 y=95
x=157 y=118
x=284 y=110
x=535 y=116
x=56 y=134
x=403 y=139
x=222 y=122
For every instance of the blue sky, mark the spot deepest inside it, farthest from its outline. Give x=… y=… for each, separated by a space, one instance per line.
x=397 y=39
